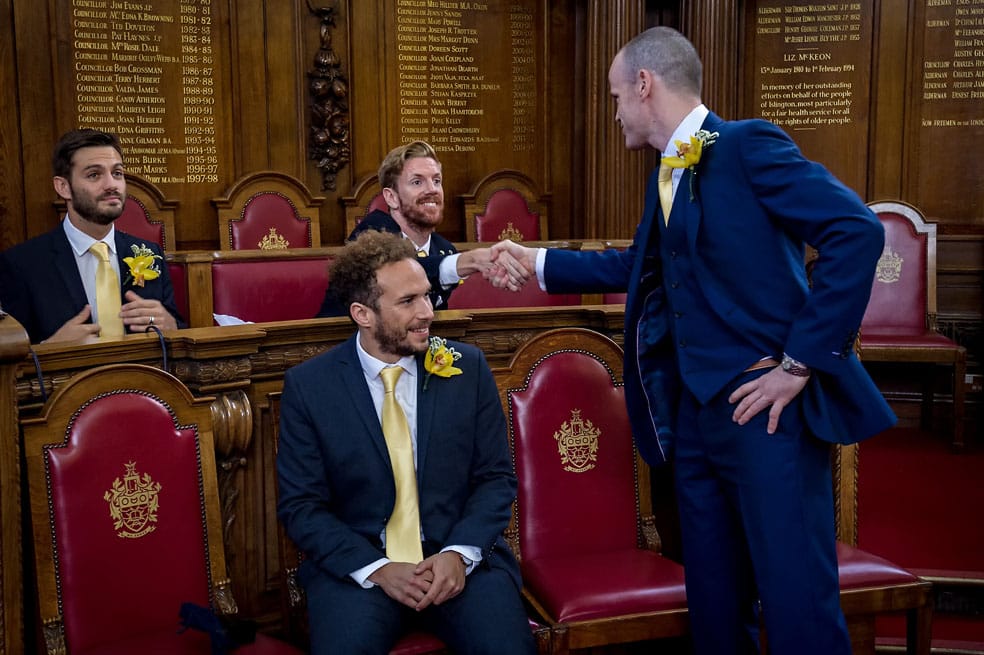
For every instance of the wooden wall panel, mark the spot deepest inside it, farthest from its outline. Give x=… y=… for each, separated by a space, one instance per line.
x=615 y=178
x=11 y=172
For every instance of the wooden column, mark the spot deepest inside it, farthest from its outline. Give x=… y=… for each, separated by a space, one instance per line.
x=712 y=26
x=615 y=178
x=14 y=346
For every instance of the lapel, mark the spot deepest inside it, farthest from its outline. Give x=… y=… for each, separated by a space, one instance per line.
x=68 y=272
x=694 y=211
x=123 y=250
x=427 y=403
x=354 y=384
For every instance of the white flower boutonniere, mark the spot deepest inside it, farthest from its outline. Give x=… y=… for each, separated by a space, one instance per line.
x=143 y=265
x=689 y=154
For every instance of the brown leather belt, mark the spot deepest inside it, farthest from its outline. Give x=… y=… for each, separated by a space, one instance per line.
x=768 y=362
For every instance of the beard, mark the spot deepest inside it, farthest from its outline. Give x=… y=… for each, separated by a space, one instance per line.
x=396 y=341
x=420 y=217
x=88 y=207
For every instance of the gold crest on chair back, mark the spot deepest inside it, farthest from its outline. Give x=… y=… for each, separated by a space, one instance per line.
x=268 y=211
x=505 y=205
x=125 y=514
x=582 y=523
x=900 y=323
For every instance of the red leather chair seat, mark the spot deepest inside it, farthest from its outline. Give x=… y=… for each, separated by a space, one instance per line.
x=860 y=569
x=887 y=337
x=418 y=643
x=598 y=585
x=190 y=642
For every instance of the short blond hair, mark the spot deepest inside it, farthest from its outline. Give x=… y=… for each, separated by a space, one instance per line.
x=392 y=166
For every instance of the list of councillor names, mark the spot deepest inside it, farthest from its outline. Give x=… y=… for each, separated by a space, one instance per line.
x=452 y=89
x=146 y=71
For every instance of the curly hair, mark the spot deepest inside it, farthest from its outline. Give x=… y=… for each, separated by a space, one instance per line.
x=74 y=140
x=352 y=276
x=392 y=166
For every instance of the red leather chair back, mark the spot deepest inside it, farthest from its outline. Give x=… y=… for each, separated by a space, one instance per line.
x=574 y=459
x=269 y=290
x=477 y=293
x=264 y=211
x=127 y=519
x=179 y=280
x=899 y=293
x=135 y=221
x=507 y=216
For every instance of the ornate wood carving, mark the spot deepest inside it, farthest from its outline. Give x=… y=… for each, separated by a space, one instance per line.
x=329 y=140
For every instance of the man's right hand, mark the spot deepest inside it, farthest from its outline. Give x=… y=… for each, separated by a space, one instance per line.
x=401 y=584
x=510 y=258
x=76 y=328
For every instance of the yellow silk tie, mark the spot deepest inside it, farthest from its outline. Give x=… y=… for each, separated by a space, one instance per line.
x=421 y=253
x=107 y=293
x=403 y=528
x=665 y=184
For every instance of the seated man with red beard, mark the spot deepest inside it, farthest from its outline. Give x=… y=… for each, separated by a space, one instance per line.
x=85 y=278
x=410 y=177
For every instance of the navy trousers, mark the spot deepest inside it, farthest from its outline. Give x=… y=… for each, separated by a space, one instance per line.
x=757 y=524
x=486 y=618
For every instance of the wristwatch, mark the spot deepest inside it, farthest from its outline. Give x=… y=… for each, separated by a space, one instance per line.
x=794 y=367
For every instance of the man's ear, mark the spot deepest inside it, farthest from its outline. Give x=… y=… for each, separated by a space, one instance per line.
x=645 y=82
x=391 y=198
x=62 y=187
x=361 y=314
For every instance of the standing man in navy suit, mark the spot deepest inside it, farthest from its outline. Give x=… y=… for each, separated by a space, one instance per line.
x=412 y=181
x=733 y=361
x=48 y=283
x=339 y=491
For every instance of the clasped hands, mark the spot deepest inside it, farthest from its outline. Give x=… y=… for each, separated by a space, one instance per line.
x=437 y=579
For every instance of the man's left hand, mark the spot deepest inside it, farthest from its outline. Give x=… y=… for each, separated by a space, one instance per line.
x=139 y=312
x=449 y=578
x=774 y=390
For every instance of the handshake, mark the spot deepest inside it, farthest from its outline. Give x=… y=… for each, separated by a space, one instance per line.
x=506 y=265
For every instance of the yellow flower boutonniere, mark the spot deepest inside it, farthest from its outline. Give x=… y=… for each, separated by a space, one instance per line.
x=143 y=265
x=440 y=360
x=688 y=154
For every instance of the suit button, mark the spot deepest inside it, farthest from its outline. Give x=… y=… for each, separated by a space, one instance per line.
x=677 y=314
x=674 y=285
x=683 y=343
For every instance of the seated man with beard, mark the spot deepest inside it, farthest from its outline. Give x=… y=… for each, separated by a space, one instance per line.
x=410 y=177
x=75 y=282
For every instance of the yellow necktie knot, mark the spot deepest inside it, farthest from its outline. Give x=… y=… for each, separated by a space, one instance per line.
x=403 y=528
x=108 y=302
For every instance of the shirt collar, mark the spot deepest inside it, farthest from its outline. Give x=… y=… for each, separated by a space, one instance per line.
x=687 y=128
x=425 y=248
x=372 y=366
x=81 y=242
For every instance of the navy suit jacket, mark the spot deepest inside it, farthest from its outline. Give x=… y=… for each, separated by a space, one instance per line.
x=335 y=476
x=439 y=249
x=41 y=287
x=756 y=201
